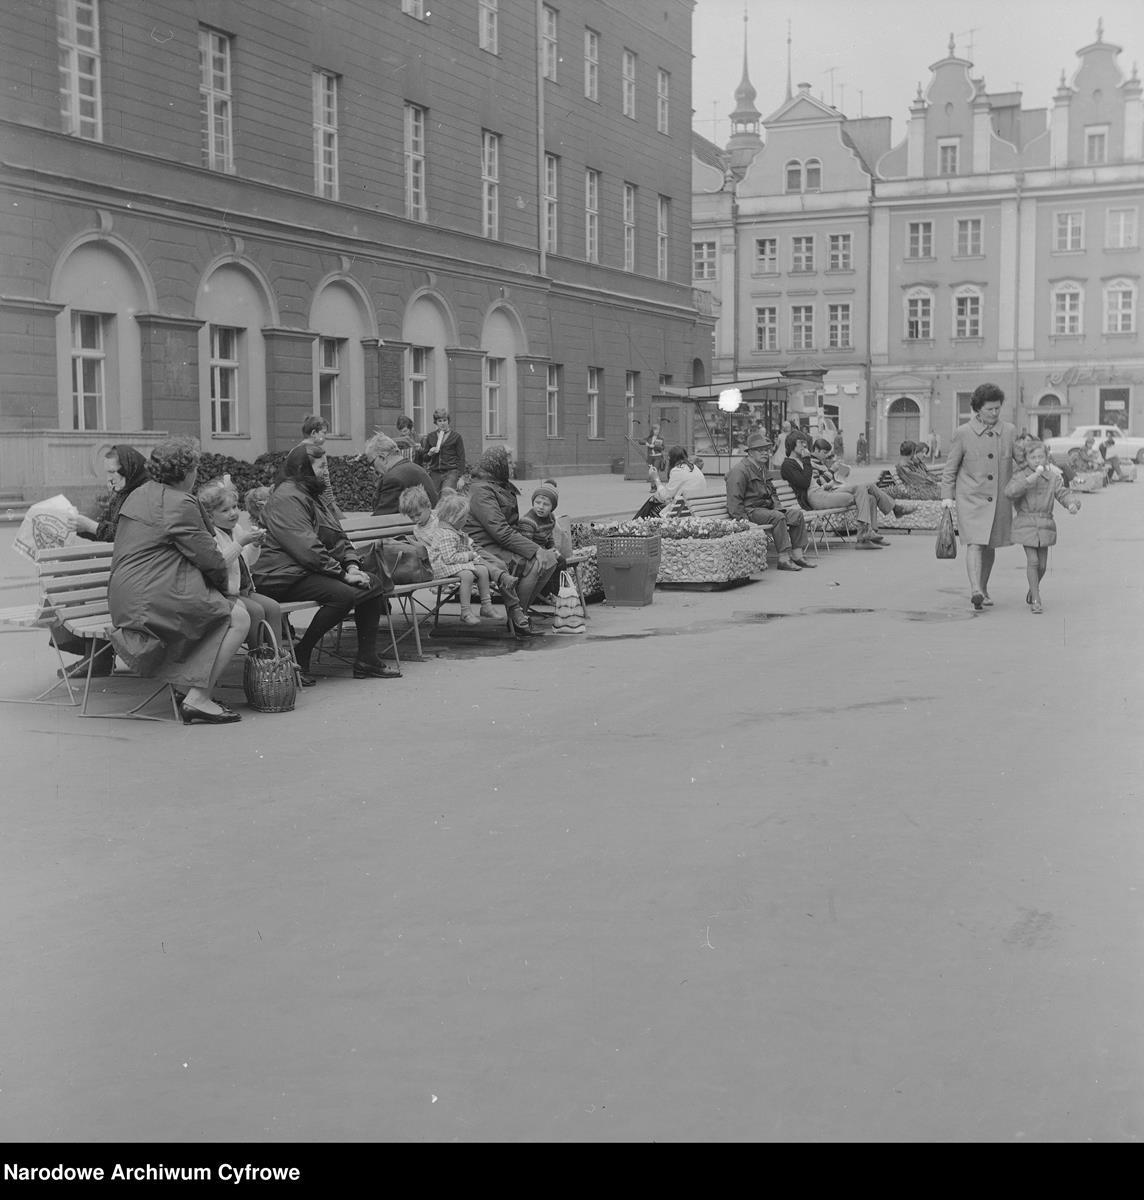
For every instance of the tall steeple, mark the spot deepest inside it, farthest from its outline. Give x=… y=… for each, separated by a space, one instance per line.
x=788 y=91
x=745 y=141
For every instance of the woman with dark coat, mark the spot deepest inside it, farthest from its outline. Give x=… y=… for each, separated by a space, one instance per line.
x=307 y=556
x=172 y=620
x=443 y=453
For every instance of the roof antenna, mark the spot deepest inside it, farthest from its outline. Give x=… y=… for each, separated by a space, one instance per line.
x=788 y=91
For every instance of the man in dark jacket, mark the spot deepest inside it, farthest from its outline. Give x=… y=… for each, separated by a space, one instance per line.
x=750 y=497
x=492 y=524
x=396 y=472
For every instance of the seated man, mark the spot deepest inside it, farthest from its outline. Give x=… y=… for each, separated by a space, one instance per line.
x=869 y=499
x=914 y=473
x=750 y=497
x=1111 y=459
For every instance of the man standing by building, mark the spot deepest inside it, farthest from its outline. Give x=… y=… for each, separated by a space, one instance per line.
x=750 y=497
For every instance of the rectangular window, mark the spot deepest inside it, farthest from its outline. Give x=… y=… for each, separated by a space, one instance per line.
x=591 y=64
x=631 y=399
x=414 y=8
x=665 y=381
x=591 y=215
x=326 y=134
x=841 y=253
x=1114 y=407
x=802 y=327
x=767 y=329
x=494 y=398
x=552 y=398
x=662 y=99
x=1066 y=312
x=1120 y=233
x=921 y=239
x=77 y=34
x=416 y=207
x=663 y=237
x=838 y=326
x=87 y=362
x=1069 y=231
x=1120 y=309
x=488 y=25
x=919 y=318
x=549 y=51
x=766 y=254
x=947 y=158
x=216 y=101
x=802 y=254
x=1096 y=145
x=702 y=260
x=628 y=79
x=595 y=382
x=964 y=411
x=330 y=390
x=967 y=317
x=490 y=184
x=420 y=389
x=629 y=227
x=969 y=237
x=224 y=379
x=551 y=202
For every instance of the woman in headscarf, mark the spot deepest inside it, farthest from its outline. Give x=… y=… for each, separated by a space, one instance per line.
x=492 y=524
x=307 y=556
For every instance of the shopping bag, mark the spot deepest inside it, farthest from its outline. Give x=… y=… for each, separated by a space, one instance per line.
x=946 y=544
x=569 y=607
x=46 y=525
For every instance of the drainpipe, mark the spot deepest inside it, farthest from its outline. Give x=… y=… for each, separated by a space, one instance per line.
x=735 y=301
x=1019 y=180
x=540 y=214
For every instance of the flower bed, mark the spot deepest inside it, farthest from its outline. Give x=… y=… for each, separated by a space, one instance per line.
x=926 y=515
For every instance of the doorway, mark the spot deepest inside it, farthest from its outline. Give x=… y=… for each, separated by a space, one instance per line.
x=903 y=423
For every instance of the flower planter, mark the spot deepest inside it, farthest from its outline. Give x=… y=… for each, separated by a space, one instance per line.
x=713 y=560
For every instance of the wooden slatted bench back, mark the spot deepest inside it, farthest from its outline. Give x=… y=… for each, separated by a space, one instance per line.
x=712 y=504
x=74 y=583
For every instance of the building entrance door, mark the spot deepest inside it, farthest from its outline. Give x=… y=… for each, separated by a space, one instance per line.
x=1048 y=425
x=903 y=423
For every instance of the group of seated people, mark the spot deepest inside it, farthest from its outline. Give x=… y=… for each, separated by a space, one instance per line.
x=1097 y=456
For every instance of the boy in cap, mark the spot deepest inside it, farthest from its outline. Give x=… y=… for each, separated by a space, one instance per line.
x=539 y=523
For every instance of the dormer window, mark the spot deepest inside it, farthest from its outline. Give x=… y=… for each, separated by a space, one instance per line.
x=794 y=176
x=803 y=177
x=1095 y=145
x=947 y=156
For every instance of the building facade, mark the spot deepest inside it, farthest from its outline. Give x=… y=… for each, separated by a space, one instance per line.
x=221 y=217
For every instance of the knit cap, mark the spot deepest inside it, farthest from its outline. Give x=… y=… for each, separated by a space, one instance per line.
x=549 y=490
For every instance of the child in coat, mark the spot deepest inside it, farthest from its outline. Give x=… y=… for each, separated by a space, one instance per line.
x=1034 y=489
x=539 y=524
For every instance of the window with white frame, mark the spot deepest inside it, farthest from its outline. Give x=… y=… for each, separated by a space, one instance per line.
x=793 y=174
x=631 y=398
x=802 y=253
x=628 y=83
x=551 y=202
x=662 y=99
x=216 y=99
x=1069 y=232
x=967 y=313
x=841 y=252
x=663 y=237
x=1120 y=229
x=549 y=47
x=1095 y=145
x=595 y=385
x=766 y=328
x=838 y=326
x=591 y=215
x=224 y=378
x=331 y=408
x=812 y=176
x=490 y=184
x=969 y=237
x=88 y=359
x=414 y=8
x=766 y=254
x=488 y=19
x=702 y=260
x=325 y=87
x=495 y=399
x=591 y=64
x=416 y=206
x=552 y=400
x=802 y=327
x=77 y=33
x=1120 y=306
x=919 y=316
x=1068 y=309
x=920 y=244
x=420 y=386
x=947 y=156
x=629 y=226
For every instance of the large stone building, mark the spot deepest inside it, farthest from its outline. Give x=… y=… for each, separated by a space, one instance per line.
x=220 y=217
x=993 y=243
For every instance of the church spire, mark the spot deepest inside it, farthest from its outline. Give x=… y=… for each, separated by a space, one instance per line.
x=745 y=141
x=788 y=91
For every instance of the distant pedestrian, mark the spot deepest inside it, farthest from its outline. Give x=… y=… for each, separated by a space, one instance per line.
x=839 y=446
x=934 y=445
x=861 y=448
x=1034 y=490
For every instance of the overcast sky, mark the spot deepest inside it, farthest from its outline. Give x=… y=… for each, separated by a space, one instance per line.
x=883 y=48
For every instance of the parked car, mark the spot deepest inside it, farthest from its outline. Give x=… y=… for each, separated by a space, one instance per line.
x=1126 y=447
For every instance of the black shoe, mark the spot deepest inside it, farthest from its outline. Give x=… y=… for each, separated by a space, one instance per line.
x=523 y=628
x=374 y=669
x=305 y=680
x=226 y=716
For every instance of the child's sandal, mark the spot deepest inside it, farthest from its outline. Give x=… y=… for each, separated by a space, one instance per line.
x=1036 y=607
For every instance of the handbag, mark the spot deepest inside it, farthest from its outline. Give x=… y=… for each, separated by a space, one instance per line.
x=406 y=562
x=270 y=675
x=569 y=616
x=946 y=544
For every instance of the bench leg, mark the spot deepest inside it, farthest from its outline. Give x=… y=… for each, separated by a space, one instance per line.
x=135 y=713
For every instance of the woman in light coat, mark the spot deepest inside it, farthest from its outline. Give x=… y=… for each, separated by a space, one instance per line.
x=979 y=465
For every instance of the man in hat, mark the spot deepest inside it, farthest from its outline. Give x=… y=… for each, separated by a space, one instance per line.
x=750 y=497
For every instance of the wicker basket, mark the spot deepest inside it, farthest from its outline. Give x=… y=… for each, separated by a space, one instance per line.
x=270 y=675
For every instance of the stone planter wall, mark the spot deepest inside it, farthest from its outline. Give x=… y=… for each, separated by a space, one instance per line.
x=713 y=560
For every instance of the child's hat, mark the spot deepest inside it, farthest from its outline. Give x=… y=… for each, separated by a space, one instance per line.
x=549 y=490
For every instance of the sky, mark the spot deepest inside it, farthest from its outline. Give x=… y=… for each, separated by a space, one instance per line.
x=879 y=50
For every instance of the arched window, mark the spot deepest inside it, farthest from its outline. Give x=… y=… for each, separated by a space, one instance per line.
x=967 y=312
x=813 y=175
x=1120 y=306
x=1067 y=309
x=794 y=176
x=340 y=318
x=428 y=329
x=919 y=315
